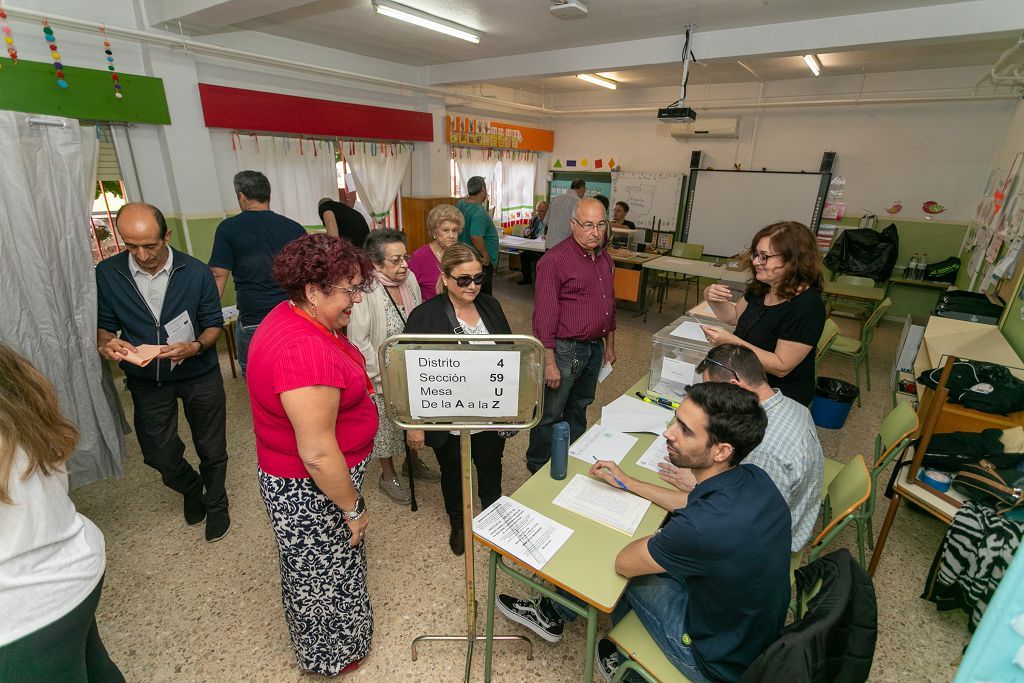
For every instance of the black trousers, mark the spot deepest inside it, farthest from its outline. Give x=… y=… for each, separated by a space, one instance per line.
x=156 y=425
x=488 y=278
x=487 y=450
x=68 y=649
x=528 y=262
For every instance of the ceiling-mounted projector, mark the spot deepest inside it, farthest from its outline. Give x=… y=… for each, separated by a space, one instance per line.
x=678 y=112
x=569 y=9
x=677 y=115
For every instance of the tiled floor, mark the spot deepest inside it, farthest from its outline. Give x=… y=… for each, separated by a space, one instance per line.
x=175 y=608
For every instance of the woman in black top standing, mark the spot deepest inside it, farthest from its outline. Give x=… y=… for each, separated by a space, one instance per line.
x=781 y=315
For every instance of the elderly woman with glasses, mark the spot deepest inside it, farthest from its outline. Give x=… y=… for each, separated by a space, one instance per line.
x=314 y=423
x=381 y=314
x=444 y=224
x=781 y=314
x=461 y=308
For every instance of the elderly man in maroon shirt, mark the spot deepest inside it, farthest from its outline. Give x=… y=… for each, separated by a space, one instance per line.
x=574 y=317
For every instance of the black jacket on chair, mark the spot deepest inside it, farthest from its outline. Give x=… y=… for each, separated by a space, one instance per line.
x=432 y=317
x=835 y=641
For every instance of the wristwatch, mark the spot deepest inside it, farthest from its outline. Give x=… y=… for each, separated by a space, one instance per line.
x=356 y=513
x=201 y=347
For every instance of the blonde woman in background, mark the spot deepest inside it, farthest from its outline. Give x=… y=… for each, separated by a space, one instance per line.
x=51 y=558
x=444 y=224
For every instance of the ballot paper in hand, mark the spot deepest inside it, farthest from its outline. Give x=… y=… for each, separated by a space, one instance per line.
x=603 y=373
x=180 y=330
x=628 y=414
x=523 y=532
x=600 y=502
x=655 y=453
x=690 y=329
x=601 y=443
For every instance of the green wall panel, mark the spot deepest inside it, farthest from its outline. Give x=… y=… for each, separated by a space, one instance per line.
x=1013 y=330
x=32 y=87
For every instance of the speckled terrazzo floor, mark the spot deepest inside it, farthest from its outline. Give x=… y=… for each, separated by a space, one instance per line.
x=175 y=608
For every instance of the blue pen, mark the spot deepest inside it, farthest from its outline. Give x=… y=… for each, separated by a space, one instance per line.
x=617 y=480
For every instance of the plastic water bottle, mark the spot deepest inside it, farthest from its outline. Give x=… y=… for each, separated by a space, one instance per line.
x=910 y=270
x=559 y=450
x=922 y=266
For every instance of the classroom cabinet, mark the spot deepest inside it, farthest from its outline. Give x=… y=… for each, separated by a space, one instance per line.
x=414 y=218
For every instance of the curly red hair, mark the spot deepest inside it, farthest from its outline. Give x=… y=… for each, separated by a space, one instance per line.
x=796 y=244
x=321 y=260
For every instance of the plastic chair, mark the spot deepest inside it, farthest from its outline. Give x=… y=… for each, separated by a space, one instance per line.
x=894 y=435
x=847 y=494
x=642 y=654
x=857 y=349
x=828 y=335
x=852 y=309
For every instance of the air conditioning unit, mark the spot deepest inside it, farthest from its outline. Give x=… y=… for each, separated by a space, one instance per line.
x=568 y=9
x=707 y=128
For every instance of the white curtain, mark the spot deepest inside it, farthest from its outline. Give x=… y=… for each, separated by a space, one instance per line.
x=378 y=169
x=518 y=170
x=47 y=184
x=481 y=162
x=300 y=171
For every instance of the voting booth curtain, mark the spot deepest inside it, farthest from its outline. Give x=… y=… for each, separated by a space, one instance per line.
x=378 y=170
x=47 y=186
x=300 y=171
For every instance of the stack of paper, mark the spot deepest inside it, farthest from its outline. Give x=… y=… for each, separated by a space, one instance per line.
x=628 y=414
x=601 y=443
x=655 y=453
x=523 y=532
x=600 y=502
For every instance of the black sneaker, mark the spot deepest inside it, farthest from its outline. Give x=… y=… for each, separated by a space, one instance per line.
x=538 y=616
x=606 y=658
x=195 y=511
x=217 y=526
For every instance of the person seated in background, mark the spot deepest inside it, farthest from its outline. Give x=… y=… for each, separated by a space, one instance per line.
x=790 y=452
x=444 y=224
x=342 y=220
x=51 y=557
x=712 y=585
x=534 y=231
x=619 y=217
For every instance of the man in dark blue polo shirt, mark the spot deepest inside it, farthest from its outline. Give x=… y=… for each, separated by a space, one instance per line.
x=246 y=245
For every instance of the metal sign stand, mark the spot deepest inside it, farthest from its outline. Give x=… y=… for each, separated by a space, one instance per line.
x=399 y=407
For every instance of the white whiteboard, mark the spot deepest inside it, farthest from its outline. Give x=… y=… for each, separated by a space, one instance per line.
x=650 y=196
x=727 y=207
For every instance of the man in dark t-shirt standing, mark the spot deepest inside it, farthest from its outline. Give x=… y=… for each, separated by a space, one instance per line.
x=246 y=245
x=342 y=220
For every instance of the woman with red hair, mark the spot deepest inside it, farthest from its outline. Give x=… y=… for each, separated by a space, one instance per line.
x=315 y=422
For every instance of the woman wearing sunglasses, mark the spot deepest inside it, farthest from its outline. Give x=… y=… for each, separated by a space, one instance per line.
x=461 y=308
x=781 y=314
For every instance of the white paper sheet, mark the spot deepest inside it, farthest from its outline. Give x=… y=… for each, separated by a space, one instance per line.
x=703 y=309
x=599 y=443
x=180 y=330
x=690 y=329
x=628 y=414
x=677 y=372
x=600 y=502
x=655 y=453
x=603 y=373
x=523 y=532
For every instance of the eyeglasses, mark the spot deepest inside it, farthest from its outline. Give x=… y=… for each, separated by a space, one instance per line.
x=761 y=257
x=351 y=291
x=398 y=259
x=464 y=280
x=703 y=365
x=590 y=227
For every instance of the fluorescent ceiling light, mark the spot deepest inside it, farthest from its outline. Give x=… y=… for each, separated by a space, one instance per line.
x=424 y=20
x=598 y=80
x=813 y=64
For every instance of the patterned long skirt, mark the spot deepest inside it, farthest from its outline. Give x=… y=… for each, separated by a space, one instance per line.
x=323 y=578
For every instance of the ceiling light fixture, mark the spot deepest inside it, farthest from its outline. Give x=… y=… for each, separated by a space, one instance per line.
x=424 y=20
x=813 y=64
x=598 y=80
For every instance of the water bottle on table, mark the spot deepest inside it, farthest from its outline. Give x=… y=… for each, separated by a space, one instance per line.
x=559 y=450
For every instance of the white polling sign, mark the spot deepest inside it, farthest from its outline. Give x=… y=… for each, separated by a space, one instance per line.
x=446 y=383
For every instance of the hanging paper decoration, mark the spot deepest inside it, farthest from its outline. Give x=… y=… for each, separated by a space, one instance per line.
x=932 y=208
x=8 y=36
x=570 y=163
x=598 y=163
x=58 y=67
x=894 y=208
x=611 y=165
x=557 y=164
x=583 y=162
x=110 y=62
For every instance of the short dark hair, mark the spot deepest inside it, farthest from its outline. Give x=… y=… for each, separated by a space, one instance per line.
x=158 y=215
x=378 y=239
x=577 y=184
x=740 y=360
x=624 y=205
x=734 y=416
x=321 y=260
x=475 y=185
x=604 y=200
x=253 y=185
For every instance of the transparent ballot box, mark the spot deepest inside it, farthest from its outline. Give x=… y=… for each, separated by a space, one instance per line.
x=674 y=359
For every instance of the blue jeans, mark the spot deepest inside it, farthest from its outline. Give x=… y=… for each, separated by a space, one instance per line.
x=660 y=603
x=243 y=335
x=578 y=363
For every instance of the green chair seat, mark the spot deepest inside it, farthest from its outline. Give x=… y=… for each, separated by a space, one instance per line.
x=844 y=344
x=848 y=492
x=645 y=657
x=832 y=468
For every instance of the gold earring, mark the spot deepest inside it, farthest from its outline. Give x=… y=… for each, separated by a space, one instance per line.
x=313 y=304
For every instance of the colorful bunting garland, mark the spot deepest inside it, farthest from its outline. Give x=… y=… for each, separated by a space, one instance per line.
x=8 y=36
x=110 y=62
x=57 y=65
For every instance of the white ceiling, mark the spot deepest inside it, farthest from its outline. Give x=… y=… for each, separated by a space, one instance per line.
x=513 y=31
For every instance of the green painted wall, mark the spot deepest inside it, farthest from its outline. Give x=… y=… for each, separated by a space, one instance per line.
x=32 y=87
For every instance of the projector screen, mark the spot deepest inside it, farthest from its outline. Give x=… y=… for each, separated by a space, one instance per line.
x=725 y=208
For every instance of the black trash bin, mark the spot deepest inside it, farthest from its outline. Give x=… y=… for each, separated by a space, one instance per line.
x=833 y=399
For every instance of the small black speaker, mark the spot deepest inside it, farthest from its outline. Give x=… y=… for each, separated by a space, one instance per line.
x=828 y=160
x=695 y=158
